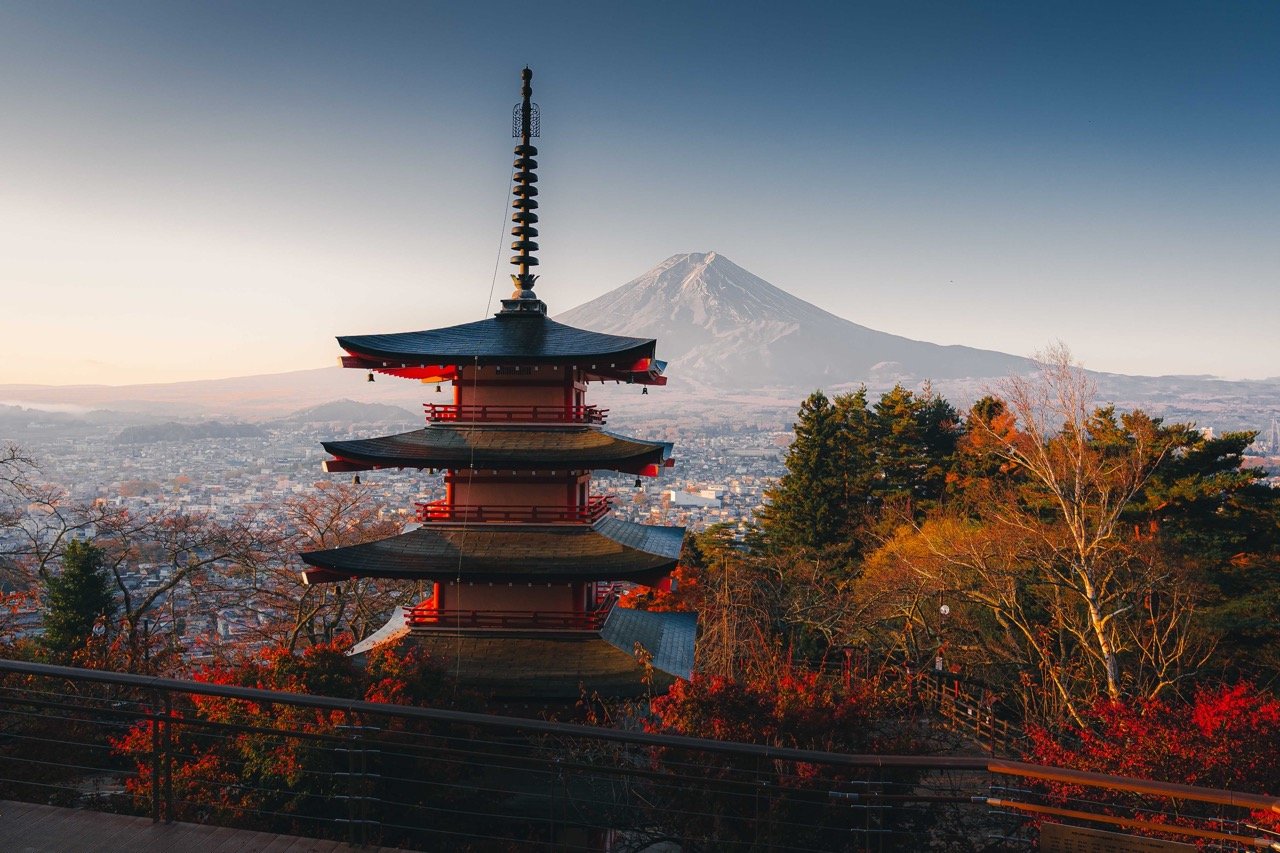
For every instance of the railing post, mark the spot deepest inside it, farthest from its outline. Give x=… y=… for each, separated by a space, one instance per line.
x=557 y=779
x=168 y=757
x=155 y=765
x=351 y=782
x=358 y=782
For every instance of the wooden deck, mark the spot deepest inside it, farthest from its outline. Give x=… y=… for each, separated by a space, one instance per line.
x=32 y=828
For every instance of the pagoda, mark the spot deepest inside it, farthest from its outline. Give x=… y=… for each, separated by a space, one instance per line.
x=521 y=558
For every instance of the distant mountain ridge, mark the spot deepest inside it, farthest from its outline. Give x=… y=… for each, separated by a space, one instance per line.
x=723 y=327
x=256 y=398
x=350 y=411
x=733 y=340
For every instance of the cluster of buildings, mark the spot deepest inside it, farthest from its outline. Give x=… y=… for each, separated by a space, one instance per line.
x=712 y=481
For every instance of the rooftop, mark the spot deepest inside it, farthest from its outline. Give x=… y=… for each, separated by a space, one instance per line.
x=540 y=448
x=504 y=339
x=610 y=549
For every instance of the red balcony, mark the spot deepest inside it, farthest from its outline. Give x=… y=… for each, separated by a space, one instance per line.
x=595 y=508
x=515 y=414
x=427 y=618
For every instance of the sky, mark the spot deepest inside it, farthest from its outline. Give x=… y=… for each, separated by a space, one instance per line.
x=199 y=190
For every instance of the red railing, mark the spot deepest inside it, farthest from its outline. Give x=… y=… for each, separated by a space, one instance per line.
x=434 y=617
x=516 y=414
x=594 y=509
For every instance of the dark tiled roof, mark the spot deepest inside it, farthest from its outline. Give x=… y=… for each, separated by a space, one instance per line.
x=530 y=666
x=669 y=637
x=527 y=339
x=610 y=549
x=524 y=448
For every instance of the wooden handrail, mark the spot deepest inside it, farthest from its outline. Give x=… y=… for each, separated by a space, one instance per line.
x=596 y=507
x=434 y=617
x=485 y=413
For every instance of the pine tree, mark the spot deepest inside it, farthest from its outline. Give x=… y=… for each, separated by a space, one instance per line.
x=899 y=444
x=914 y=440
x=75 y=599
x=806 y=509
x=856 y=456
x=940 y=432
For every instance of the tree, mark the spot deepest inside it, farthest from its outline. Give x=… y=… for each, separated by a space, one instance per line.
x=268 y=579
x=78 y=600
x=808 y=508
x=1222 y=521
x=719 y=802
x=37 y=519
x=1084 y=470
x=797 y=709
x=913 y=439
x=1039 y=549
x=849 y=462
x=275 y=764
x=1225 y=737
x=191 y=552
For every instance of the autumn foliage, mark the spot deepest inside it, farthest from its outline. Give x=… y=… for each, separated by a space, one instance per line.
x=800 y=710
x=1226 y=738
x=256 y=763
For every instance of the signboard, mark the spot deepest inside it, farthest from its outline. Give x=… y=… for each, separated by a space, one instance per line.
x=1059 y=838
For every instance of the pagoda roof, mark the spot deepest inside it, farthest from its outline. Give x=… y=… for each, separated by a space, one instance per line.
x=507 y=338
x=610 y=549
x=537 y=448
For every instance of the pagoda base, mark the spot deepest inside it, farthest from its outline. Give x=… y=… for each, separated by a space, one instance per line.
x=504 y=667
x=556 y=666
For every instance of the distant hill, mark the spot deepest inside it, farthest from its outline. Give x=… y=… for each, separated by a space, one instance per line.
x=253 y=398
x=172 y=431
x=728 y=329
x=352 y=412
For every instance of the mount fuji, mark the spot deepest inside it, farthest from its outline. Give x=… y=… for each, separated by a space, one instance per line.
x=732 y=338
x=726 y=329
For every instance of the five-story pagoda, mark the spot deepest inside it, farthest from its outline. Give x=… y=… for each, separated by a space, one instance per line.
x=520 y=554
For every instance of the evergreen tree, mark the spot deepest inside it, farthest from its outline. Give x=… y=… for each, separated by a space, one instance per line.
x=807 y=509
x=75 y=599
x=1222 y=521
x=847 y=460
x=914 y=439
x=899 y=444
x=940 y=431
x=856 y=457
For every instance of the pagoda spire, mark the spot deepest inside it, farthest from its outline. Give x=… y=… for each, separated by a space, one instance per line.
x=525 y=126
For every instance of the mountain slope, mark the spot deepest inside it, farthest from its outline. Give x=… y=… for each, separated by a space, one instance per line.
x=725 y=328
x=258 y=397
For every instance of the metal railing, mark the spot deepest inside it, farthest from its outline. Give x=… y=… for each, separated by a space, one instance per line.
x=433 y=779
x=485 y=413
x=596 y=507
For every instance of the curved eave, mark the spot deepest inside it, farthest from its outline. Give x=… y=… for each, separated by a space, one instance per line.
x=611 y=549
x=517 y=449
x=501 y=340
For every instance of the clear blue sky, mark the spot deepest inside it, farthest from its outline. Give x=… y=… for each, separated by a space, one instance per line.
x=208 y=189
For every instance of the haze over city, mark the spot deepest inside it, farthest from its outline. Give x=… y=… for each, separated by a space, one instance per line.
x=201 y=190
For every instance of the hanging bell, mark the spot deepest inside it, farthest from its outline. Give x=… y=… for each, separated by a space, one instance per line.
x=355 y=479
x=638 y=485
x=437 y=387
x=643 y=391
x=370 y=379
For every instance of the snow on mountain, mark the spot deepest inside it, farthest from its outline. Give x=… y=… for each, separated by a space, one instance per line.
x=726 y=329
